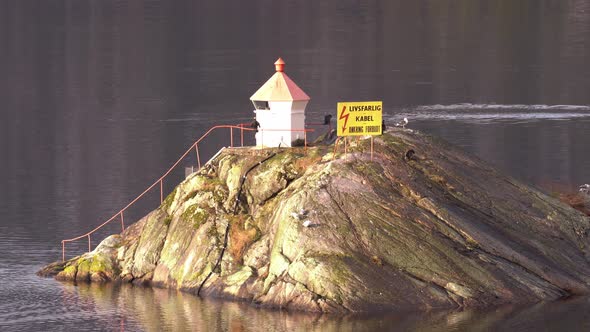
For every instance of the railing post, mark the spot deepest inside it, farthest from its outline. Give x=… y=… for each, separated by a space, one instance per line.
x=122 y=222
x=89 y=243
x=198 y=157
x=345 y=147
x=63 y=251
x=242 y=135
x=161 y=191
x=231 y=136
x=335 y=147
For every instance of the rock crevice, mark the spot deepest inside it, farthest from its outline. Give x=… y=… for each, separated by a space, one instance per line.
x=318 y=232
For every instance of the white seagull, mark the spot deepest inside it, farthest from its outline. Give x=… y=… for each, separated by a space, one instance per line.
x=402 y=123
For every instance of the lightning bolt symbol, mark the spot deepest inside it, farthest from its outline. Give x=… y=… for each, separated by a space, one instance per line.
x=344 y=117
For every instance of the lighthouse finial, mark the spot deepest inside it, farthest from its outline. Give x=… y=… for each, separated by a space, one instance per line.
x=280 y=65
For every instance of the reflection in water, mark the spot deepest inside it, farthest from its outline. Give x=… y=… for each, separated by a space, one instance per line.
x=137 y=308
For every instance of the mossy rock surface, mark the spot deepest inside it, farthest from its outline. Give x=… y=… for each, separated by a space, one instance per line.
x=100 y=265
x=437 y=230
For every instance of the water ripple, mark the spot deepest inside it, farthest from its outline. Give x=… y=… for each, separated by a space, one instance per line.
x=482 y=113
x=492 y=106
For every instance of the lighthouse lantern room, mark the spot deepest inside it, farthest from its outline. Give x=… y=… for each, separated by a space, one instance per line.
x=280 y=110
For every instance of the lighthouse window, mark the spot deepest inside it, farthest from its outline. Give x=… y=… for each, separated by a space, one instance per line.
x=261 y=105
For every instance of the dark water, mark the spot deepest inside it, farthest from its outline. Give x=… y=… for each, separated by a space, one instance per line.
x=98 y=98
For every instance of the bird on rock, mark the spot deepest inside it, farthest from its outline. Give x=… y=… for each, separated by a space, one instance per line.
x=402 y=123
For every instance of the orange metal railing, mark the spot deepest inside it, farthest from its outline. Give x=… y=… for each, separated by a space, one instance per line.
x=242 y=127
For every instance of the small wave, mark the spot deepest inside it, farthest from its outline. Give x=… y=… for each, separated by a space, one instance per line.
x=469 y=106
x=493 y=112
x=490 y=116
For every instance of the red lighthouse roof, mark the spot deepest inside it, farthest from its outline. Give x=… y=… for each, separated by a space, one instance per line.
x=279 y=87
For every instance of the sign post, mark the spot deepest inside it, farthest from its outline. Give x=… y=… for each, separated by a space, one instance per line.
x=359 y=118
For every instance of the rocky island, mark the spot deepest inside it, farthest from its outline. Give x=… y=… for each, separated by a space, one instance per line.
x=422 y=225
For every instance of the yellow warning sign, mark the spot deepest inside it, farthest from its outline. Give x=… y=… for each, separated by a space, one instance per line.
x=359 y=118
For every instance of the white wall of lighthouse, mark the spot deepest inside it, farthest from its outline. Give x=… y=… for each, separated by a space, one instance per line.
x=280 y=110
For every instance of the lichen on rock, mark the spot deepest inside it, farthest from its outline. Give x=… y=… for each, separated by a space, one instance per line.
x=100 y=265
x=350 y=233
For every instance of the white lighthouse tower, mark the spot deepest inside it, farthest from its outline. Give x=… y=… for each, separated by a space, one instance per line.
x=280 y=110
